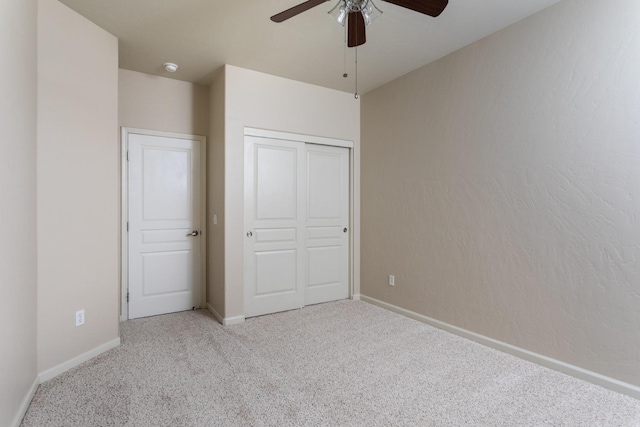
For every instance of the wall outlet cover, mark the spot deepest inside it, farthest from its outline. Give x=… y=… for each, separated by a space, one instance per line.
x=79 y=317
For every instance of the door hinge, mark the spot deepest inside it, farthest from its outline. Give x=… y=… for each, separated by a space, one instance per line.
x=127 y=296
x=127 y=156
x=127 y=226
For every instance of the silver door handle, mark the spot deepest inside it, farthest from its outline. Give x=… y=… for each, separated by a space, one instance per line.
x=345 y=230
x=249 y=234
x=194 y=233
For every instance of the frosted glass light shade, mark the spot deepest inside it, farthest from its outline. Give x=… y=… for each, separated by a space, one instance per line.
x=339 y=12
x=370 y=12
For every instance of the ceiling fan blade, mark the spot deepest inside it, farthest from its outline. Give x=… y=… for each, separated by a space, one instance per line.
x=356 y=30
x=428 y=7
x=295 y=10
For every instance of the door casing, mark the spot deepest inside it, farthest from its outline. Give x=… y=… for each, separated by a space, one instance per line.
x=334 y=142
x=124 y=271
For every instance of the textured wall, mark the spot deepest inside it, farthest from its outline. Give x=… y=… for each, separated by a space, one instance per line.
x=78 y=184
x=162 y=104
x=17 y=207
x=501 y=186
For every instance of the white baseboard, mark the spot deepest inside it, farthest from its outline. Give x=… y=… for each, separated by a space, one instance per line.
x=215 y=314
x=574 y=371
x=355 y=297
x=228 y=321
x=26 y=401
x=225 y=321
x=78 y=360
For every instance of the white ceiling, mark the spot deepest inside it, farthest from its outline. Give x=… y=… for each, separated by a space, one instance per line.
x=202 y=35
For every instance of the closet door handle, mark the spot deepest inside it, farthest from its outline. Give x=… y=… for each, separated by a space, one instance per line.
x=249 y=234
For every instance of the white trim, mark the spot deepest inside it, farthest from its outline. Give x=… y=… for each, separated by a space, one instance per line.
x=353 y=215
x=125 y=131
x=296 y=137
x=225 y=321
x=76 y=361
x=574 y=371
x=352 y=223
x=215 y=314
x=26 y=401
x=228 y=321
x=124 y=217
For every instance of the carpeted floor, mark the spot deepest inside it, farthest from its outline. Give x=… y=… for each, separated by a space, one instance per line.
x=339 y=364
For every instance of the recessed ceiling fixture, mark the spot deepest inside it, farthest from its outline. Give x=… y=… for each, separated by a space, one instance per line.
x=357 y=14
x=170 y=67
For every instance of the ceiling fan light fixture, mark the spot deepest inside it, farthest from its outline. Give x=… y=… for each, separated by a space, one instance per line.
x=360 y=14
x=339 y=12
x=368 y=9
x=370 y=12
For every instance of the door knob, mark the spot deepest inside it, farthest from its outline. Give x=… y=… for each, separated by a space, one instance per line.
x=194 y=233
x=249 y=234
x=345 y=230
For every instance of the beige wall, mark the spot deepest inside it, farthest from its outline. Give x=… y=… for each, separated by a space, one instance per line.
x=17 y=208
x=263 y=101
x=161 y=104
x=215 y=199
x=501 y=187
x=78 y=184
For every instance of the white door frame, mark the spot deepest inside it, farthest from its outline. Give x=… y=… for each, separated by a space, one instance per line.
x=334 y=142
x=124 y=272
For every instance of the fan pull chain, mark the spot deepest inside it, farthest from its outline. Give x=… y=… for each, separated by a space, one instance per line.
x=357 y=43
x=356 y=94
x=345 y=75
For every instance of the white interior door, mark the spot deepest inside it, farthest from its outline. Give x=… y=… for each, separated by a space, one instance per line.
x=327 y=233
x=164 y=188
x=296 y=248
x=274 y=223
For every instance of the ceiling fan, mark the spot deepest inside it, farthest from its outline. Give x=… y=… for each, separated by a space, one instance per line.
x=359 y=13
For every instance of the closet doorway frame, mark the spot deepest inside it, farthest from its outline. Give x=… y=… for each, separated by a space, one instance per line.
x=353 y=224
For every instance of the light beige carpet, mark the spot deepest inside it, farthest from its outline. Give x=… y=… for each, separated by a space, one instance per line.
x=339 y=364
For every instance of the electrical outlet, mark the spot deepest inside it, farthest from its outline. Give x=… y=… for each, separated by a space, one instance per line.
x=392 y=280
x=79 y=317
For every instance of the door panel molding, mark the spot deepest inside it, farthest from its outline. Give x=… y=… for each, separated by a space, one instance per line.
x=149 y=236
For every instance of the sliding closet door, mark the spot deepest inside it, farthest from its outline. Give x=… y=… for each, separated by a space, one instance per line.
x=296 y=249
x=327 y=269
x=274 y=221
